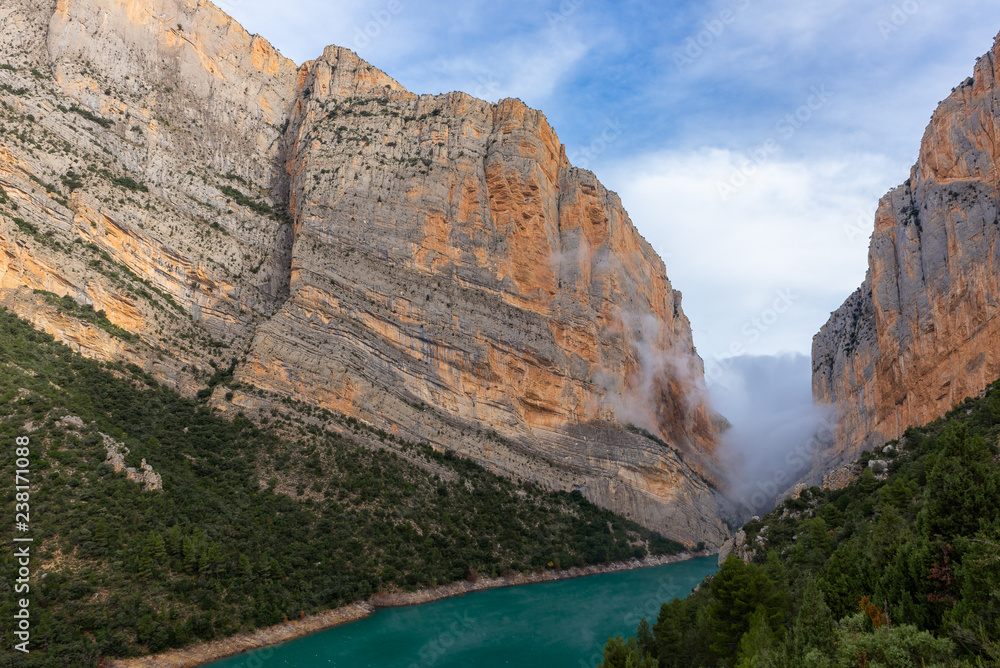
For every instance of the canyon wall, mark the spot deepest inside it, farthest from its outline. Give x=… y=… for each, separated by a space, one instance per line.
x=432 y=266
x=922 y=333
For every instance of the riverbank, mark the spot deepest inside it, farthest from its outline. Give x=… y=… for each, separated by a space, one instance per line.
x=262 y=639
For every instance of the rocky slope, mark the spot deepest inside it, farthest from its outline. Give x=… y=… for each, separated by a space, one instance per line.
x=923 y=332
x=430 y=265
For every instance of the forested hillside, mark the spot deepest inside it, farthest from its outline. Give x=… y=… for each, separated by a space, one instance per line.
x=118 y=570
x=901 y=568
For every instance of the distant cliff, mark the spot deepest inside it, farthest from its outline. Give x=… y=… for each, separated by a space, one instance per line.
x=430 y=265
x=923 y=332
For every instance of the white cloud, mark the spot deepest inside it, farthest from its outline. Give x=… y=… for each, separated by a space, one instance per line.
x=665 y=138
x=795 y=232
x=529 y=68
x=492 y=51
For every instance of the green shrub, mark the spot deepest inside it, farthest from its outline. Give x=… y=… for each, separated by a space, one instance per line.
x=91 y=116
x=241 y=199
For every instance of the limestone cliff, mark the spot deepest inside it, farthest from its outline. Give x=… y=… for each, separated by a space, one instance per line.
x=923 y=332
x=430 y=265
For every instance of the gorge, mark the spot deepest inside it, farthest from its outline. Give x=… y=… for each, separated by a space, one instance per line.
x=290 y=339
x=432 y=266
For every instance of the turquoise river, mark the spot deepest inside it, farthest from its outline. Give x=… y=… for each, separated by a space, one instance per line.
x=548 y=625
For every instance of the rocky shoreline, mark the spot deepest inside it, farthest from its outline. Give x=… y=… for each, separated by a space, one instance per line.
x=263 y=639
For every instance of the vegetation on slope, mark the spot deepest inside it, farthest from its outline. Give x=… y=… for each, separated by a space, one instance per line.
x=118 y=571
x=901 y=571
x=86 y=312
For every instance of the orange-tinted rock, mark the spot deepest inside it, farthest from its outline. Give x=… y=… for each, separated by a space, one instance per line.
x=442 y=272
x=923 y=332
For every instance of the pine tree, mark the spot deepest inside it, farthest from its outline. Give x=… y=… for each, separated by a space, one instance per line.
x=620 y=653
x=738 y=590
x=245 y=569
x=671 y=626
x=961 y=486
x=756 y=645
x=210 y=559
x=102 y=535
x=647 y=643
x=868 y=483
x=190 y=555
x=264 y=568
x=145 y=628
x=145 y=568
x=175 y=541
x=814 y=625
x=158 y=548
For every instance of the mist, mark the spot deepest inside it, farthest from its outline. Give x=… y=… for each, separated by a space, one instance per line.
x=775 y=426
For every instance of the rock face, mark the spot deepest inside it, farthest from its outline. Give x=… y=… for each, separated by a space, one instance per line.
x=144 y=475
x=430 y=265
x=923 y=332
x=115 y=456
x=119 y=131
x=738 y=546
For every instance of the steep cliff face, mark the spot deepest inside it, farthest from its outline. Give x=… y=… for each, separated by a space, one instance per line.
x=451 y=271
x=922 y=332
x=124 y=136
x=430 y=265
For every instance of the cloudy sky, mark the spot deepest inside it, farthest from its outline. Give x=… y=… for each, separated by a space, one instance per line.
x=749 y=140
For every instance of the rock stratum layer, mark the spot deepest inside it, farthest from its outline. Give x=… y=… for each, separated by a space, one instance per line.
x=923 y=333
x=432 y=266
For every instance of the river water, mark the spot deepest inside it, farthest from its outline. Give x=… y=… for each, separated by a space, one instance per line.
x=547 y=625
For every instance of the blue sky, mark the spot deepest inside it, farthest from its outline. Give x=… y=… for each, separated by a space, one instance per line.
x=749 y=140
